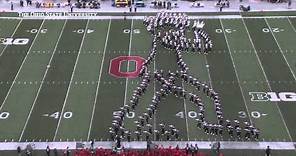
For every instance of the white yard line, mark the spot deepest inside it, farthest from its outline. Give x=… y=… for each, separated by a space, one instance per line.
x=280 y=49
x=129 y=53
x=186 y=116
x=24 y=60
x=15 y=29
x=208 y=71
x=154 y=88
x=239 y=84
x=27 y=120
x=291 y=24
x=266 y=78
x=98 y=85
x=72 y=75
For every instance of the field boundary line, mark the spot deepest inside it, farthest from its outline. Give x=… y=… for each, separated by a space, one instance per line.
x=267 y=81
x=280 y=48
x=236 y=74
x=69 y=86
x=20 y=68
x=236 y=145
x=98 y=85
x=34 y=102
x=15 y=29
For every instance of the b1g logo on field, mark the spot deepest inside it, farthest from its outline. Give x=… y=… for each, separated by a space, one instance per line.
x=115 y=66
x=273 y=96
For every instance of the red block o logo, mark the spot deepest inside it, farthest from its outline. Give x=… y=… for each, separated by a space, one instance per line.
x=115 y=64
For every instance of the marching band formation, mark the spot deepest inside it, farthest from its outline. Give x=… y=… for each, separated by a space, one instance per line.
x=169 y=30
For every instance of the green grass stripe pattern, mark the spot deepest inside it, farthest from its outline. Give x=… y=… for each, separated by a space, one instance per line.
x=28 y=81
x=274 y=66
x=10 y=60
x=250 y=55
x=166 y=60
x=197 y=64
x=110 y=97
x=141 y=44
x=222 y=70
x=248 y=69
x=81 y=96
x=7 y=28
x=51 y=96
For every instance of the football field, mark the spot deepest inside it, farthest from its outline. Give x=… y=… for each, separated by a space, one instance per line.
x=60 y=78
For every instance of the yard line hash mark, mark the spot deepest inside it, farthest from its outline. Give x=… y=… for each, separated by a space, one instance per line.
x=236 y=74
x=98 y=85
x=20 y=68
x=258 y=59
x=39 y=89
x=69 y=86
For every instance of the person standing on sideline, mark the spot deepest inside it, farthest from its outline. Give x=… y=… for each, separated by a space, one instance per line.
x=47 y=150
x=55 y=152
x=19 y=151
x=71 y=7
x=289 y=4
x=67 y=152
x=124 y=15
x=92 y=143
x=221 y=7
x=268 y=151
x=21 y=3
x=218 y=147
x=196 y=149
x=11 y=5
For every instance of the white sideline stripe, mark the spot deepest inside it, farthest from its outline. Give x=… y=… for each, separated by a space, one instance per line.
x=68 y=90
x=236 y=74
x=143 y=145
x=98 y=85
x=23 y=62
x=29 y=116
x=268 y=84
x=141 y=17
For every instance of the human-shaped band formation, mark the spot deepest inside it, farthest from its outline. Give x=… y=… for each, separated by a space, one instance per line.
x=168 y=30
